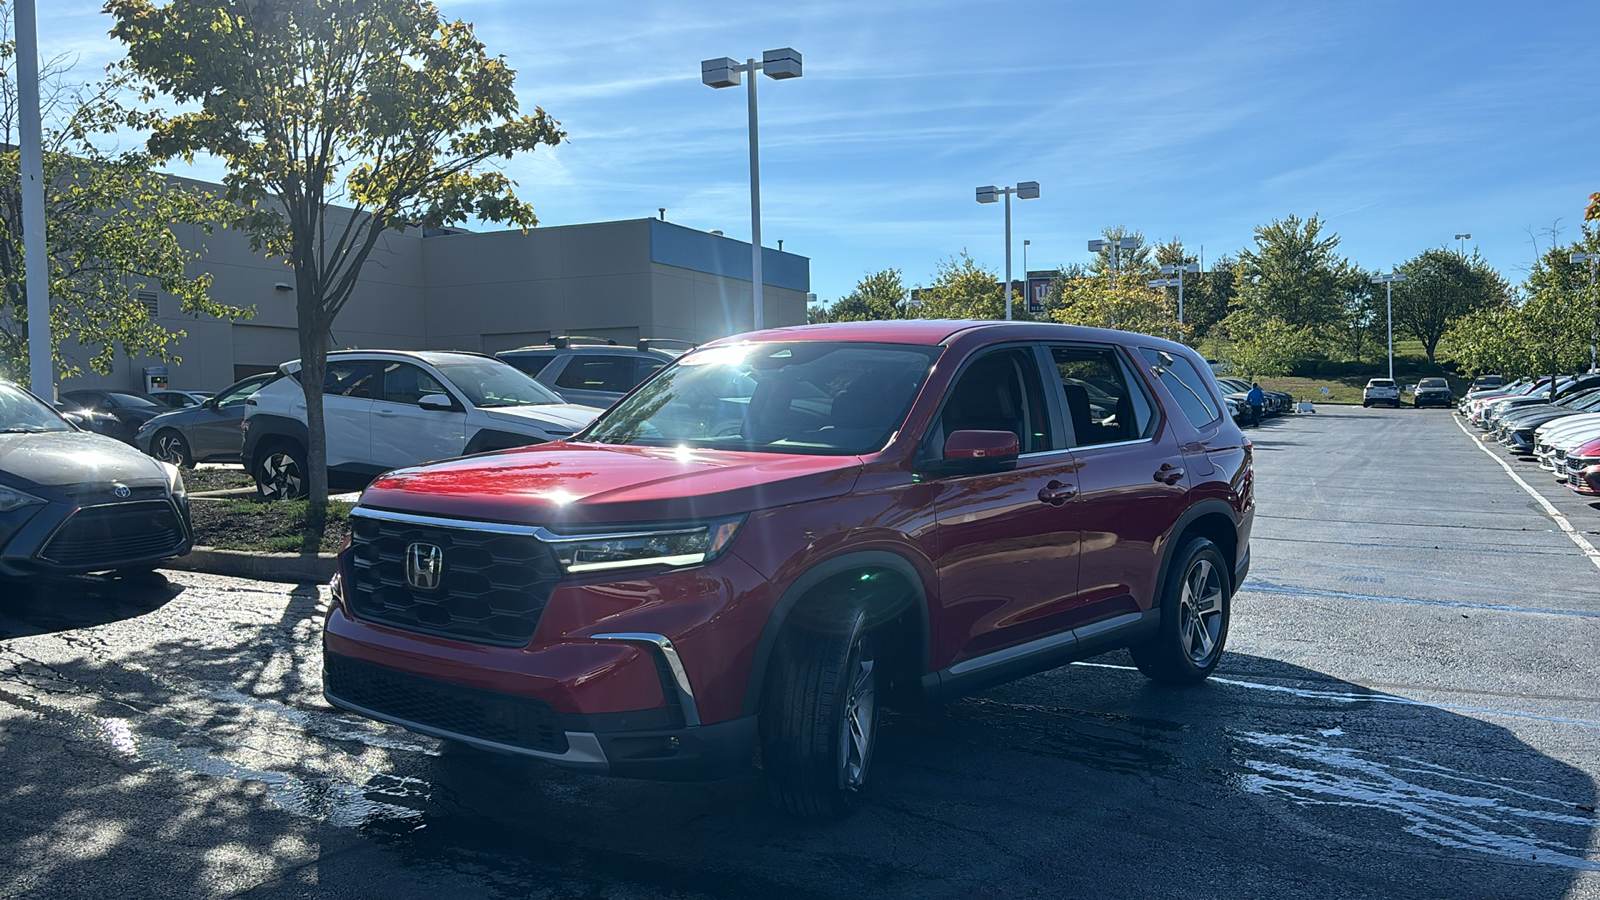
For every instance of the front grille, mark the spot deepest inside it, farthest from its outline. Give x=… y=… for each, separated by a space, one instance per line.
x=502 y=718
x=116 y=533
x=492 y=587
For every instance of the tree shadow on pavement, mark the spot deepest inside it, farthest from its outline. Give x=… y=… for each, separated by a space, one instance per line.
x=211 y=766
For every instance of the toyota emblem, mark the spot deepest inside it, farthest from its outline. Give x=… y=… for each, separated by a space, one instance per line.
x=121 y=491
x=424 y=566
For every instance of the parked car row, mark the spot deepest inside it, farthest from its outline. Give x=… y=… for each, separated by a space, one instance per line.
x=1235 y=391
x=382 y=409
x=1556 y=424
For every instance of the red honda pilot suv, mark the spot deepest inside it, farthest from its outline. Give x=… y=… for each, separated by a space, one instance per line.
x=783 y=530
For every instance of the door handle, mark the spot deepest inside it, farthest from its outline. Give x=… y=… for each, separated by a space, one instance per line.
x=387 y=415
x=1057 y=493
x=1169 y=473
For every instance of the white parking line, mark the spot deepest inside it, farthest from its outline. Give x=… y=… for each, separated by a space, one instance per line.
x=1561 y=520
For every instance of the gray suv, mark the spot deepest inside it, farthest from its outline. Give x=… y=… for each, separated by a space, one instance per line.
x=592 y=371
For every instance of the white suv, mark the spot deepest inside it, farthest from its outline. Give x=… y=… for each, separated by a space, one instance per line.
x=385 y=409
x=1381 y=390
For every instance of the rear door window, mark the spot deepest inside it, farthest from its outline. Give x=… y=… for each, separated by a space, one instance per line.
x=1185 y=384
x=532 y=365
x=353 y=378
x=597 y=373
x=1105 y=403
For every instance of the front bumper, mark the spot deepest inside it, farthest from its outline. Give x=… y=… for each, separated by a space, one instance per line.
x=653 y=743
x=60 y=538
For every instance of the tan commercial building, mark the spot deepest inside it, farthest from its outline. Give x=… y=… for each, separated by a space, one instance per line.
x=479 y=291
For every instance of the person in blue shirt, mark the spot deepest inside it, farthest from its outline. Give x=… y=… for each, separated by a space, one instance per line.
x=1257 y=401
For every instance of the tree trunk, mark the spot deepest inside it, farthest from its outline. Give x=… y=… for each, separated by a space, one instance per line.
x=313 y=366
x=1429 y=345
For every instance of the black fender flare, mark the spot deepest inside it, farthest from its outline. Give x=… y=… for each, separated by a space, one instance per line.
x=489 y=439
x=1190 y=515
x=264 y=428
x=863 y=559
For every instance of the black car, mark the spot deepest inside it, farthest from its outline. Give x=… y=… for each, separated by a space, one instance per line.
x=592 y=371
x=73 y=502
x=1432 y=392
x=130 y=409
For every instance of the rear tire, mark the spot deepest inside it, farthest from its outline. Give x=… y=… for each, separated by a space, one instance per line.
x=819 y=719
x=1196 y=602
x=280 y=472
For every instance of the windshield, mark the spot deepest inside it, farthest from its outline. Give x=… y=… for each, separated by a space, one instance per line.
x=1433 y=383
x=21 y=413
x=489 y=383
x=809 y=397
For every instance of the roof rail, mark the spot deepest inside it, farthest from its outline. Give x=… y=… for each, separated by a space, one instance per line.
x=649 y=343
x=563 y=341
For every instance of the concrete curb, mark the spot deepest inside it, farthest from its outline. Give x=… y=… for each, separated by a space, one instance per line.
x=297 y=568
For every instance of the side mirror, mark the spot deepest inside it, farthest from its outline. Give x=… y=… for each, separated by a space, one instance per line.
x=436 y=402
x=976 y=452
x=209 y=403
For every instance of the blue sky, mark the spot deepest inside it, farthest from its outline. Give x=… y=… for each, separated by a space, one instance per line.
x=1401 y=123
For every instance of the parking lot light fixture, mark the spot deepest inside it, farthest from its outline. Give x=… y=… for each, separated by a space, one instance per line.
x=724 y=72
x=1178 y=271
x=1388 y=289
x=1025 y=190
x=1463 y=238
x=1126 y=243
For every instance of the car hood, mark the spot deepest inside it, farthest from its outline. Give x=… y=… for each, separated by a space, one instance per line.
x=76 y=457
x=1533 y=419
x=1560 y=428
x=563 y=482
x=174 y=417
x=568 y=417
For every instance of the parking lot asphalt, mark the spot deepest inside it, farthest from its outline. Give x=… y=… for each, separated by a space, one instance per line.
x=1410 y=707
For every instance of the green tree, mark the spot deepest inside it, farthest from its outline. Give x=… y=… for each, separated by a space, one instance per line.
x=1267 y=346
x=1135 y=264
x=337 y=121
x=1130 y=306
x=108 y=227
x=1488 y=341
x=1363 y=315
x=1441 y=286
x=1292 y=275
x=962 y=289
x=880 y=295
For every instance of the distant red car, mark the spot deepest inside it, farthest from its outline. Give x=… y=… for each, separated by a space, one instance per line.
x=1583 y=468
x=781 y=531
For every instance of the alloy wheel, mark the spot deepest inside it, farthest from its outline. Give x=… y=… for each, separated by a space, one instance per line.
x=858 y=731
x=1200 y=612
x=280 y=476
x=169 y=449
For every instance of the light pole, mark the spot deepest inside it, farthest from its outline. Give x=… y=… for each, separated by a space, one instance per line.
x=1388 y=289
x=725 y=72
x=1126 y=243
x=35 y=262
x=1463 y=238
x=1591 y=259
x=1179 y=270
x=1025 y=190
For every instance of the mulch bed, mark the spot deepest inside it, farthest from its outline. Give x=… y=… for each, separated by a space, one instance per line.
x=265 y=527
x=215 y=479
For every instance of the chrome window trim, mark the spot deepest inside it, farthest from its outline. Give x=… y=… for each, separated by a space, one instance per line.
x=664 y=646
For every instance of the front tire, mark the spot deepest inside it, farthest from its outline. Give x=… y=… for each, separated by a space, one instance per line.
x=280 y=473
x=170 y=447
x=819 y=720
x=1196 y=603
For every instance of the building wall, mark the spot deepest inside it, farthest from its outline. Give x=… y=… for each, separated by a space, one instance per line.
x=482 y=292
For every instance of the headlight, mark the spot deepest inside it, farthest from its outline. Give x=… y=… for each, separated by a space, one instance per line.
x=683 y=545
x=174 y=480
x=11 y=498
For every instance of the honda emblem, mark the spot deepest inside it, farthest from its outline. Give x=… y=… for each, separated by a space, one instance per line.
x=424 y=566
